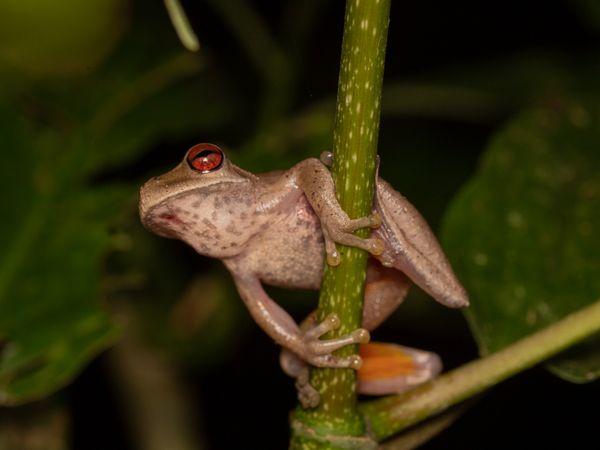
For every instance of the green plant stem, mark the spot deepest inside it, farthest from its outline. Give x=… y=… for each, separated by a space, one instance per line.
x=396 y=413
x=336 y=423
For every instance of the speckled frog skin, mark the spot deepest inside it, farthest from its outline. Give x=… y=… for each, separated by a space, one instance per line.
x=275 y=228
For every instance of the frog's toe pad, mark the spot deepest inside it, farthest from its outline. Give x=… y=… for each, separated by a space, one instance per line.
x=392 y=368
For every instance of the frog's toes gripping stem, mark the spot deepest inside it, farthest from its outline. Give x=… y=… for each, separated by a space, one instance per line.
x=376 y=220
x=297 y=368
x=318 y=186
x=371 y=221
x=308 y=396
x=344 y=236
x=333 y=257
x=317 y=352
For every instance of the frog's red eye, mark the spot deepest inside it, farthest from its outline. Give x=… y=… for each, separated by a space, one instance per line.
x=205 y=158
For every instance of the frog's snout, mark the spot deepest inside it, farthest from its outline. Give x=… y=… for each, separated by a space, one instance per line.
x=147 y=198
x=155 y=215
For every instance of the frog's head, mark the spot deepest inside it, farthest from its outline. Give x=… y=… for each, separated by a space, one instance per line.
x=164 y=199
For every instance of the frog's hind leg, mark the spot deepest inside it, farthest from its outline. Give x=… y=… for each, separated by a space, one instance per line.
x=412 y=248
x=385 y=290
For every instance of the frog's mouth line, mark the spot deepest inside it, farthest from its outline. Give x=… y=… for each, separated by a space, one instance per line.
x=164 y=222
x=171 y=218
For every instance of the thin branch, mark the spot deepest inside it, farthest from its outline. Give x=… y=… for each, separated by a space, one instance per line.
x=393 y=414
x=182 y=26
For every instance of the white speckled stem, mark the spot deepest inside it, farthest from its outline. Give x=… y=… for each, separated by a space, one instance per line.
x=355 y=148
x=396 y=413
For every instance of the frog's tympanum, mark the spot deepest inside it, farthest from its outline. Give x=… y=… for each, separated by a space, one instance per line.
x=275 y=228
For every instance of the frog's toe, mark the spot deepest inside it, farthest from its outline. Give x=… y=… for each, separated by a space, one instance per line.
x=318 y=352
x=326 y=158
x=377 y=246
x=297 y=368
x=330 y=323
x=333 y=256
x=371 y=221
x=337 y=362
x=376 y=220
x=374 y=246
x=324 y=347
x=308 y=396
x=343 y=235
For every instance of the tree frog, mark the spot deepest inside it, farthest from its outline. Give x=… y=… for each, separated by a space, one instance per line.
x=276 y=227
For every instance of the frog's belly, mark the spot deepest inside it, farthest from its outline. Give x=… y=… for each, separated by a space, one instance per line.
x=289 y=253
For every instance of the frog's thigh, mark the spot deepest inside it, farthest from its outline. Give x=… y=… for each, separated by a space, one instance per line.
x=385 y=289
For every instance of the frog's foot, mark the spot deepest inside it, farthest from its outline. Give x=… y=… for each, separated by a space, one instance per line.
x=318 y=352
x=296 y=368
x=308 y=396
x=343 y=235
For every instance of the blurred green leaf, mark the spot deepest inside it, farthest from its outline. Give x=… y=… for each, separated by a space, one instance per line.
x=60 y=38
x=192 y=312
x=146 y=112
x=522 y=232
x=50 y=322
x=57 y=141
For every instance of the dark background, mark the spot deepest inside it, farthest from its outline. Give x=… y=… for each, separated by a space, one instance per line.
x=502 y=47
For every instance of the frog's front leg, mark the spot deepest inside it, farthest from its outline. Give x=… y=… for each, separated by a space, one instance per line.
x=317 y=184
x=387 y=368
x=277 y=323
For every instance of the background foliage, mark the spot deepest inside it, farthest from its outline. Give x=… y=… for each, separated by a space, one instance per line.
x=96 y=99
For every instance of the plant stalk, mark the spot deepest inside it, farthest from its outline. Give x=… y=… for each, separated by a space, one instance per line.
x=336 y=423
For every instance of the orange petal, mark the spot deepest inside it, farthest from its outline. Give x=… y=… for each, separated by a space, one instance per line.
x=382 y=361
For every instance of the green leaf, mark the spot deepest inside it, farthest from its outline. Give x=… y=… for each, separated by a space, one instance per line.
x=163 y=102
x=521 y=234
x=50 y=321
x=61 y=38
x=55 y=232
